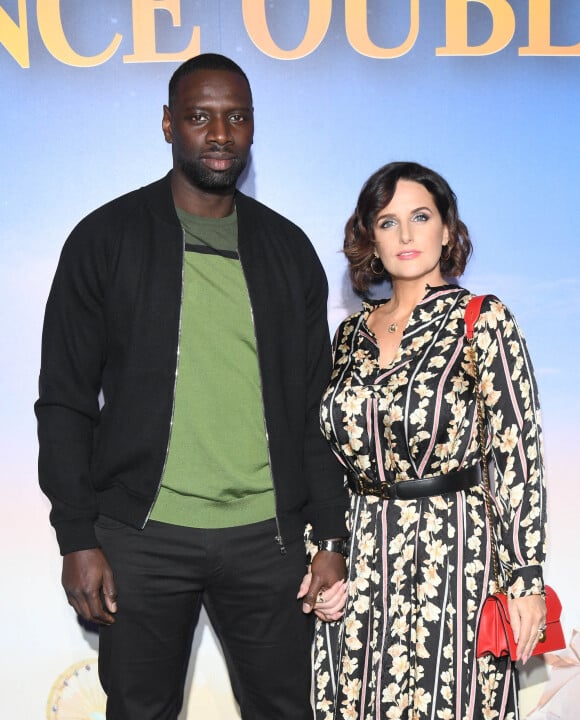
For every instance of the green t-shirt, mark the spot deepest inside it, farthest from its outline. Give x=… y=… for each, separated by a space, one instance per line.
x=217 y=472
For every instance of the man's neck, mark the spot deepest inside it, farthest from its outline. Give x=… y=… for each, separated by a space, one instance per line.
x=203 y=203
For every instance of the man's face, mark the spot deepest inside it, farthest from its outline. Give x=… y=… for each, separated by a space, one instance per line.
x=211 y=127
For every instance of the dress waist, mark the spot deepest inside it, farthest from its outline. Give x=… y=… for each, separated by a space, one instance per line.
x=422 y=487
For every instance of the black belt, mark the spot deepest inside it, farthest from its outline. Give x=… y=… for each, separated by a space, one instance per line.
x=423 y=487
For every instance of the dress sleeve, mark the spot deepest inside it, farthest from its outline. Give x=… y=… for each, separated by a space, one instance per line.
x=513 y=415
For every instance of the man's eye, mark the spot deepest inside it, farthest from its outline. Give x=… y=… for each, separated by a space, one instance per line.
x=237 y=117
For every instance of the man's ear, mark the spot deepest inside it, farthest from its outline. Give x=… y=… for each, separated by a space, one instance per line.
x=166 y=125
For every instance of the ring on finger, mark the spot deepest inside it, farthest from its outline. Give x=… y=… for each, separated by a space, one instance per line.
x=320 y=597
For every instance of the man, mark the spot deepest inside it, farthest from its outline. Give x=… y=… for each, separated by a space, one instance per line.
x=185 y=350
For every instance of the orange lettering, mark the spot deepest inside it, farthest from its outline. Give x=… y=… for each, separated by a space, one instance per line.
x=358 y=33
x=144 y=49
x=539 y=42
x=256 y=22
x=15 y=37
x=52 y=32
x=503 y=28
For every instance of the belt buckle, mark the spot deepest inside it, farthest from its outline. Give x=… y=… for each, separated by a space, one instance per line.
x=387 y=491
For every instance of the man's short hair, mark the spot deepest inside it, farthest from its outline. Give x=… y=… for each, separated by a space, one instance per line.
x=205 y=61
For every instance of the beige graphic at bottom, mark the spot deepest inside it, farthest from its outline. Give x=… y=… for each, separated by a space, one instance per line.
x=77 y=694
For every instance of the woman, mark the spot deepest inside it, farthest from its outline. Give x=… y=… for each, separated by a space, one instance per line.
x=401 y=407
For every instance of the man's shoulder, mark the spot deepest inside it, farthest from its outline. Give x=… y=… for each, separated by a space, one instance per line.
x=250 y=208
x=124 y=205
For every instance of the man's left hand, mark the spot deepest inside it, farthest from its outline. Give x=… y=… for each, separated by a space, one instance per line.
x=325 y=585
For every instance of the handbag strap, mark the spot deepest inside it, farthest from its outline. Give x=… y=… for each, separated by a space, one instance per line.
x=472 y=313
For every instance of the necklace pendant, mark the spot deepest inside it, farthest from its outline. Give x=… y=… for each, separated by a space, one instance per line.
x=392 y=327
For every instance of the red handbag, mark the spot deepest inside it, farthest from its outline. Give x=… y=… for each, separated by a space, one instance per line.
x=494 y=633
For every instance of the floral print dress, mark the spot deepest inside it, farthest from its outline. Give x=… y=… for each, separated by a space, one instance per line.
x=419 y=570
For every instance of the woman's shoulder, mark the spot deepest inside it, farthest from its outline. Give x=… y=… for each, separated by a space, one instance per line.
x=494 y=313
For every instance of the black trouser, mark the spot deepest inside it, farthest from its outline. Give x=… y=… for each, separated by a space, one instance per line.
x=248 y=589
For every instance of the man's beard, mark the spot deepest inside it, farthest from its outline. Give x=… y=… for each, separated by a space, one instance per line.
x=204 y=178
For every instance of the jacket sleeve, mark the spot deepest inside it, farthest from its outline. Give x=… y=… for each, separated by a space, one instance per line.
x=513 y=415
x=67 y=410
x=328 y=493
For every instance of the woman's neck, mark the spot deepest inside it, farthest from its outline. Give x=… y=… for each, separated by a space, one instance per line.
x=407 y=295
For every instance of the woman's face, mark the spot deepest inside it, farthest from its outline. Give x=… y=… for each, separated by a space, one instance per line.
x=409 y=235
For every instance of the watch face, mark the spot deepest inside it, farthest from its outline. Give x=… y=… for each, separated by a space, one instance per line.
x=77 y=693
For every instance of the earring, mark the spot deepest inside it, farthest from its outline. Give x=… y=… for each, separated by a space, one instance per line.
x=373 y=266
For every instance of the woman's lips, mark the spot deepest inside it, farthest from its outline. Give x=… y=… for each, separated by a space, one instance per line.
x=408 y=254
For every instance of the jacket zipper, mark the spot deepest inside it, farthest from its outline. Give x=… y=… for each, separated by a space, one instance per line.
x=278 y=538
x=174 y=382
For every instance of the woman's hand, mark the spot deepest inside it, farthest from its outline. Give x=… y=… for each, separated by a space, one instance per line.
x=528 y=621
x=330 y=602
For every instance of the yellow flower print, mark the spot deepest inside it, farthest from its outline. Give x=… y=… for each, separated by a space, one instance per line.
x=474 y=543
x=350 y=665
x=400 y=626
x=418 y=417
x=359 y=584
x=421 y=633
x=488 y=391
x=516 y=495
x=432 y=581
x=322 y=679
x=367 y=367
x=355 y=433
x=408 y=552
x=400 y=667
x=423 y=391
x=437 y=362
x=447 y=677
x=352 y=404
x=430 y=612
x=361 y=605
x=352 y=691
x=491 y=354
x=395 y=414
x=391 y=693
x=396 y=544
x=509 y=439
x=483 y=340
x=437 y=551
x=445 y=714
x=409 y=514
x=346 y=450
x=532 y=541
x=367 y=544
x=421 y=700
x=353 y=643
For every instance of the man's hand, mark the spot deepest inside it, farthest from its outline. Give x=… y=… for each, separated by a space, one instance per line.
x=325 y=584
x=87 y=579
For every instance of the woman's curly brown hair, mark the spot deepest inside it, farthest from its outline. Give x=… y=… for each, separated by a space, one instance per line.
x=376 y=194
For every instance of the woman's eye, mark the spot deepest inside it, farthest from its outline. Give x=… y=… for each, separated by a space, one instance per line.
x=387 y=223
x=421 y=217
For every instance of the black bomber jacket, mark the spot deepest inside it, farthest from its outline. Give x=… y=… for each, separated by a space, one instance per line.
x=109 y=360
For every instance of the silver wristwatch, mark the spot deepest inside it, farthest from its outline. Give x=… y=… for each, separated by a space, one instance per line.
x=336 y=545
